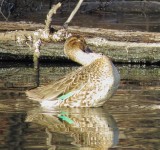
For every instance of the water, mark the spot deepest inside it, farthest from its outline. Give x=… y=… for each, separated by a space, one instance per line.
x=129 y=120
x=117 y=20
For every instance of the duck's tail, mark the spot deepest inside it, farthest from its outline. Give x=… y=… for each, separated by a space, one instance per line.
x=43 y=93
x=50 y=104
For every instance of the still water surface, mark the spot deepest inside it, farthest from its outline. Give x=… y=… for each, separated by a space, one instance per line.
x=130 y=120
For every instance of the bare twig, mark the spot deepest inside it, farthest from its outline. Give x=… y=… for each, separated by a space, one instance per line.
x=73 y=13
x=2 y=12
x=48 y=34
x=36 y=54
x=8 y=9
x=49 y=17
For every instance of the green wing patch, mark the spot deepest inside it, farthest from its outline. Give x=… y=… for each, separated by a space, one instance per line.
x=65 y=96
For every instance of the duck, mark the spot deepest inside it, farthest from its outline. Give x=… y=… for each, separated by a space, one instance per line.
x=91 y=85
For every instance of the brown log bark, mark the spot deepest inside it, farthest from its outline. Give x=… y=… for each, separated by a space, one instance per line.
x=122 y=46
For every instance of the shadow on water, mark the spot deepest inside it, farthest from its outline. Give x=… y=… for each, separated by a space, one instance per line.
x=131 y=116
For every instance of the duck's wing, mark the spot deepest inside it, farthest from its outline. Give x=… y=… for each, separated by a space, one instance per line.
x=66 y=86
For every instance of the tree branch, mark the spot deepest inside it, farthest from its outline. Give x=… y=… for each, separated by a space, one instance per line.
x=49 y=17
x=2 y=12
x=73 y=13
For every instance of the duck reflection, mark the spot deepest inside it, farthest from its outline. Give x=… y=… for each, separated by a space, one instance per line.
x=84 y=128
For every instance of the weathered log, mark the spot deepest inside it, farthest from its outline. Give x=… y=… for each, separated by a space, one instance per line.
x=21 y=25
x=122 y=46
x=109 y=34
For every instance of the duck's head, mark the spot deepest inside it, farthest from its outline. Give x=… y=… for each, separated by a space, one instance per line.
x=76 y=49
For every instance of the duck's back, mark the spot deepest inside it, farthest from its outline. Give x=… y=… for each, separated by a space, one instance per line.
x=99 y=81
x=110 y=78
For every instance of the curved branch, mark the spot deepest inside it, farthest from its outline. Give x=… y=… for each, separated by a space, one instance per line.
x=2 y=12
x=73 y=13
x=48 y=21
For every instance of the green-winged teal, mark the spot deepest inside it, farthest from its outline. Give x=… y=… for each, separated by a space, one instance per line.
x=89 y=86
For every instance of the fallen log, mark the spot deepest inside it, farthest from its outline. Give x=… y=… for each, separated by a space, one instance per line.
x=120 y=45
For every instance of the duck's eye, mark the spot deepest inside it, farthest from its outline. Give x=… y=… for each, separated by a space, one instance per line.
x=88 y=50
